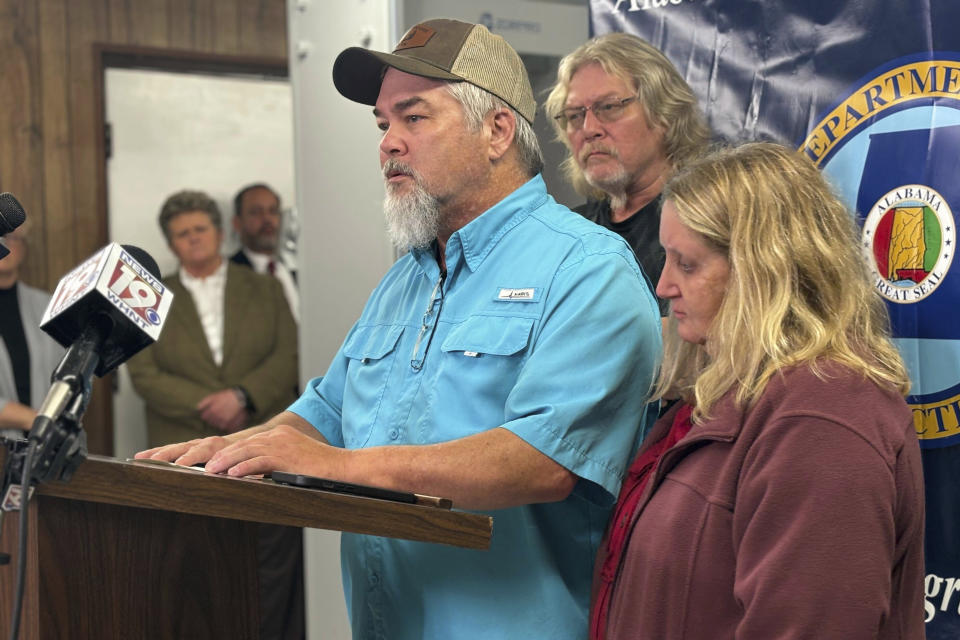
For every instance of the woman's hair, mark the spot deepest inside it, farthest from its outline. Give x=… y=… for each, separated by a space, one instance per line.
x=668 y=102
x=188 y=201
x=798 y=291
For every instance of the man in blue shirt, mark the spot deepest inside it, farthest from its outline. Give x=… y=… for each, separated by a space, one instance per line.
x=504 y=362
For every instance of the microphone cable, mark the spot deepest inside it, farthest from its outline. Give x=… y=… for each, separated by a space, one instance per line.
x=22 y=543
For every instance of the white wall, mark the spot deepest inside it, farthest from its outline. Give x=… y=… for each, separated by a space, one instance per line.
x=344 y=251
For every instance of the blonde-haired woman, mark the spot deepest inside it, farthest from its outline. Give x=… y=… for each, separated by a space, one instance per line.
x=782 y=496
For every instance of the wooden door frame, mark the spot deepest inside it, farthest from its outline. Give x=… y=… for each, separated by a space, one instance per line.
x=99 y=418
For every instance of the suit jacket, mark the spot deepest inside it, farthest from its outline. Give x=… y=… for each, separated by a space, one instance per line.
x=241 y=258
x=259 y=354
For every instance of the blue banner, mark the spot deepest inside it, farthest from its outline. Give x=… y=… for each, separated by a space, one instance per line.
x=870 y=91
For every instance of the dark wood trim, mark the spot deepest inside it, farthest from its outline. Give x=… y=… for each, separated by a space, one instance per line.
x=169 y=488
x=187 y=61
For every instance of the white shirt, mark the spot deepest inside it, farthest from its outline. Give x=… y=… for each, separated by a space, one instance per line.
x=208 y=295
x=281 y=273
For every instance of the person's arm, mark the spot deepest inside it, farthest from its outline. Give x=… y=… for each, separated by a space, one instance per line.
x=267 y=380
x=14 y=415
x=489 y=470
x=576 y=405
x=814 y=534
x=167 y=394
x=224 y=410
x=275 y=376
x=202 y=449
x=323 y=426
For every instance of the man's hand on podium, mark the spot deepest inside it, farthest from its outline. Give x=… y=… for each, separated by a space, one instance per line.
x=281 y=448
x=188 y=453
x=203 y=450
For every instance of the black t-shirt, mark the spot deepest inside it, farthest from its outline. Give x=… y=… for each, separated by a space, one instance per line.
x=11 y=332
x=641 y=231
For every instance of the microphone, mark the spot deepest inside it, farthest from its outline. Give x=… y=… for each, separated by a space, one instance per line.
x=11 y=213
x=104 y=311
x=114 y=301
x=11 y=217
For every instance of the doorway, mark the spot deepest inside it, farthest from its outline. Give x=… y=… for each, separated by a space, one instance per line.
x=184 y=122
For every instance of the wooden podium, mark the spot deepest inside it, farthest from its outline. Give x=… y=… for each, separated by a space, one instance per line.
x=133 y=550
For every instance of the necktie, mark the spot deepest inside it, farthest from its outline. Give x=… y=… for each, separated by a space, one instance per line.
x=272 y=268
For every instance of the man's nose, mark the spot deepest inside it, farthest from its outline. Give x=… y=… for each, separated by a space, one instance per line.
x=592 y=127
x=391 y=144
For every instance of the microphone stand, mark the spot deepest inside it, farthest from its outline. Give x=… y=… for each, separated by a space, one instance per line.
x=56 y=444
x=57 y=437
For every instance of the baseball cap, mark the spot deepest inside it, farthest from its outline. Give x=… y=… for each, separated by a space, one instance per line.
x=445 y=50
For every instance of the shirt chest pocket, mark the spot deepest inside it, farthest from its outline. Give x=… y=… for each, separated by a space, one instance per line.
x=482 y=359
x=372 y=353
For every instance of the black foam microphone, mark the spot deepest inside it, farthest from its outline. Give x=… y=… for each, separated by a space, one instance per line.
x=11 y=217
x=11 y=213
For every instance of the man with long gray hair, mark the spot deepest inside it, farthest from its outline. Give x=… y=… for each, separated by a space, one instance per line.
x=628 y=120
x=503 y=362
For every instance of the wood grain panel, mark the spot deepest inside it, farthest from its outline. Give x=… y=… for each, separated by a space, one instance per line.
x=205 y=27
x=182 y=24
x=226 y=15
x=147 y=578
x=85 y=26
x=260 y=19
x=21 y=152
x=149 y=22
x=104 y=571
x=29 y=627
x=51 y=154
x=150 y=486
x=118 y=21
x=57 y=209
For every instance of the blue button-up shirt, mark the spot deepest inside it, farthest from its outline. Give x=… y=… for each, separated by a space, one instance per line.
x=543 y=325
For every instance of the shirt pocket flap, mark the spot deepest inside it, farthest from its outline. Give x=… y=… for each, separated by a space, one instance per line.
x=372 y=343
x=490 y=334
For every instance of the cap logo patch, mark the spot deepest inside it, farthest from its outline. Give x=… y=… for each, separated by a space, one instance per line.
x=416 y=37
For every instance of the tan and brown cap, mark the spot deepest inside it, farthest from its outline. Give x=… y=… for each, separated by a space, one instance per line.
x=445 y=50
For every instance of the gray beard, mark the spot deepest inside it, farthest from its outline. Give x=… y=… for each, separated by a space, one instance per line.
x=614 y=186
x=413 y=218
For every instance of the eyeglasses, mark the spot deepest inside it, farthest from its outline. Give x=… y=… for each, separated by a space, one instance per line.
x=607 y=111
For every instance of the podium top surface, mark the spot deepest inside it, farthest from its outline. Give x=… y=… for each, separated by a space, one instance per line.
x=170 y=488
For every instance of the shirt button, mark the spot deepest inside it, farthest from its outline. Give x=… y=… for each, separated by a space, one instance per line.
x=394 y=434
x=374 y=579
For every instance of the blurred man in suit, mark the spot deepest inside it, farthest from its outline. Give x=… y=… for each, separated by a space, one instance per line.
x=227 y=358
x=257 y=218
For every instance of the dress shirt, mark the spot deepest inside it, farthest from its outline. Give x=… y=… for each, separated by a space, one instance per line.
x=208 y=297
x=261 y=263
x=543 y=325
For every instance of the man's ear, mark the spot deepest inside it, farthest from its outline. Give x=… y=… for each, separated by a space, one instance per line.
x=501 y=126
x=236 y=223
